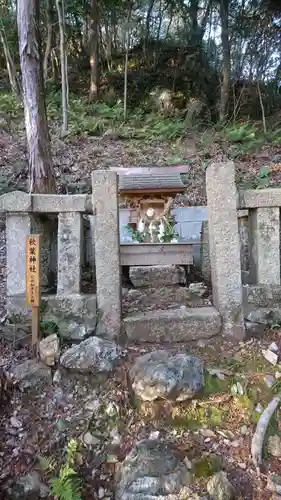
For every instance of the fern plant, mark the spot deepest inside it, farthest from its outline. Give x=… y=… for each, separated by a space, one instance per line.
x=67 y=485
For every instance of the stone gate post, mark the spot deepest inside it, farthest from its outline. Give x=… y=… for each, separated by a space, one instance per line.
x=107 y=250
x=225 y=247
x=264 y=245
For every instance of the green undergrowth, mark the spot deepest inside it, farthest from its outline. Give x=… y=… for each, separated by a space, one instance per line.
x=65 y=483
x=10 y=105
x=101 y=119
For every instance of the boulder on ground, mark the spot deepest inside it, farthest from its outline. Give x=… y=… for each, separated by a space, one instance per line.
x=92 y=355
x=161 y=374
x=31 y=374
x=220 y=488
x=153 y=470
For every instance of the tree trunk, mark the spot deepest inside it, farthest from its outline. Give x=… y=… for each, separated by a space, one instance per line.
x=63 y=65
x=9 y=63
x=161 y=13
x=54 y=65
x=50 y=22
x=127 y=62
x=37 y=133
x=147 y=23
x=94 y=52
x=224 y=8
x=108 y=46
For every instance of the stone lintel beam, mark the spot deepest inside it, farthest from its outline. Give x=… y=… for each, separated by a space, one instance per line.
x=259 y=198
x=18 y=201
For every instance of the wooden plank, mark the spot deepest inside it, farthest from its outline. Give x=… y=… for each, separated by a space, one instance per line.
x=33 y=270
x=35 y=326
x=151 y=254
x=33 y=283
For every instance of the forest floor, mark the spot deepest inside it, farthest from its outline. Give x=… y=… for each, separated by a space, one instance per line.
x=213 y=432
x=217 y=428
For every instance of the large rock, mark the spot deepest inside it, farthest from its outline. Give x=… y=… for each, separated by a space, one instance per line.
x=220 y=488
x=160 y=374
x=32 y=374
x=92 y=355
x=49 y=350
x=153 y=471
x=274 y=445
x=254 y=330
x=264 y=315
x=75 y=315
x=29 y=487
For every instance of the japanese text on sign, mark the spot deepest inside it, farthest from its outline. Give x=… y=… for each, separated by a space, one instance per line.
x=33 y=270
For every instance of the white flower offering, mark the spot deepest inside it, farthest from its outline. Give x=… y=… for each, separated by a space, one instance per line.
x=150 y=212
x=141 y=226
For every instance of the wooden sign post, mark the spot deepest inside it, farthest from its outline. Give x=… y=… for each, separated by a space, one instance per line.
x=33 y=283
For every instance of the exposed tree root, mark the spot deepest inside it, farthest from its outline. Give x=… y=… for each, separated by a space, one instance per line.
x=259 y=435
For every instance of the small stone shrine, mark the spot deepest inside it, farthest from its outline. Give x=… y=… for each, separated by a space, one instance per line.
x=149 y=193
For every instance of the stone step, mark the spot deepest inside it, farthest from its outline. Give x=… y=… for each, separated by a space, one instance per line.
x=174 y=325
x=157 y=275
x=164 y=297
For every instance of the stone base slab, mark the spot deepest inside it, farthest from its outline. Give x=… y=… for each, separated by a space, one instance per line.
x=143 y=299
x=75 y=315
x=155 y=276
x=175 y=325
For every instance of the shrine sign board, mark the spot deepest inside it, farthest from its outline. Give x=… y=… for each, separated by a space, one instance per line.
x=33 y=270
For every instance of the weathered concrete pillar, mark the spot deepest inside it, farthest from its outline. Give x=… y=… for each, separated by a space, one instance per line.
x=264 y=225
x=69 y=253
x=225 y=247
x=18 y=227
x=107 y=251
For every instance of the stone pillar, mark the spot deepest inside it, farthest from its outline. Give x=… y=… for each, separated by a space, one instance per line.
x=264 y=225
x=18 y=227
x=205 y=263
x=46 y=227
x=225 y=247
x=69 y=253
x=243 y=228
x=107 y=251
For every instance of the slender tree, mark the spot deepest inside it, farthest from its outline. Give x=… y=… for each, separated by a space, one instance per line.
x=127 y=60
x=94 y=51
x=224 y=13
x=63 y=65
x=37 y=133
x=50 y=37
x=9 y=61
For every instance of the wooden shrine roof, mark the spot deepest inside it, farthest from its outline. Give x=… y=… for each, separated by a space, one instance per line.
x=151 y=182
x=147 y=179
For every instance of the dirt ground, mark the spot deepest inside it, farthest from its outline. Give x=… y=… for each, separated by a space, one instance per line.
x=213 y=430
x=220 y=422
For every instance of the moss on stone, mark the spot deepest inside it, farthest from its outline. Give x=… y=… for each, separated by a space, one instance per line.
x=207 y=466
x=195 y=417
